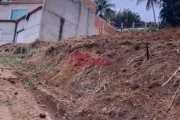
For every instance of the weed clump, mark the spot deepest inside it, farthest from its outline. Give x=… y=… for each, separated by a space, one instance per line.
x=21 y=50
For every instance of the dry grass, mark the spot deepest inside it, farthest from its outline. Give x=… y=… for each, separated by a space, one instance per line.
x=10 y=60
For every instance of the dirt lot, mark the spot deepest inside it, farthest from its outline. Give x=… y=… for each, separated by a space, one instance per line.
x=94 y=78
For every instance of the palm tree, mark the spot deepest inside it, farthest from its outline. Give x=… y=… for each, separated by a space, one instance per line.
x=150 y=4
x=103 y=7
x=109 y=15
x=127 y=17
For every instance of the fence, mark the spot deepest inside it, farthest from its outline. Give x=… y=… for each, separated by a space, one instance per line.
x=134 y=25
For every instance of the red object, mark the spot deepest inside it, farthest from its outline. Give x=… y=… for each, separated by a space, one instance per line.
x=78 y=59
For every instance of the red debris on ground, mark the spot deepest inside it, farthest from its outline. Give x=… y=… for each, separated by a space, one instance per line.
x=78 y=59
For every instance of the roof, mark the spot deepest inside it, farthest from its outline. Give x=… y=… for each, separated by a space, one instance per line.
x=21 y=2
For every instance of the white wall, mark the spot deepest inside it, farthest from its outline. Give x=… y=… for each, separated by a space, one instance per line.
x=6 y=10
x=78 y=19
x=31 y=28
x=7 y=32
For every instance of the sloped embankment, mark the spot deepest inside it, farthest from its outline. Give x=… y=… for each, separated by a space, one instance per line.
x=109 y=77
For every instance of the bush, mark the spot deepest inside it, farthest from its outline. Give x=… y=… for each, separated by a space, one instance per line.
x=21 y=50
x=35 y=44
x=153 y=29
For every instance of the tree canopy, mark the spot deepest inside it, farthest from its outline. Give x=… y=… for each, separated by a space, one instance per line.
x=150 y=5
x=170 y=13
x=105 y=11
x=127 y=16
x=103 y=7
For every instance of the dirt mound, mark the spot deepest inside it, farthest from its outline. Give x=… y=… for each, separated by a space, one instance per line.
x=110 y=77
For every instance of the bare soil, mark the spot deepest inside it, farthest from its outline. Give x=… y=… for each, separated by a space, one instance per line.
x=130 y=87
x=16 y=102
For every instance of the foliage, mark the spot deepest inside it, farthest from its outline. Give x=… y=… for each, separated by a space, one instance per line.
x=152 y=29
x=10 y=60
x=170 y=13
x=150 y=4
x=127 y=16
x=35 y=44
x=104 y=9
x=21 y=50
x=109 y=16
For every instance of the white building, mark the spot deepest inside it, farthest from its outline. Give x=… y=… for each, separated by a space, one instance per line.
x=11 y=11
x=14 y=9
x=25 y=21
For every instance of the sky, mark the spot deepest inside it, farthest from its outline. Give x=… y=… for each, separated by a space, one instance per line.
x=131 y=4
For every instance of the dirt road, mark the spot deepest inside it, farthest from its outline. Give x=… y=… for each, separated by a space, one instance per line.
x=17 y=103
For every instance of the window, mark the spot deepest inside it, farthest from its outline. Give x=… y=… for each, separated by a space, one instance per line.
x=16 y=14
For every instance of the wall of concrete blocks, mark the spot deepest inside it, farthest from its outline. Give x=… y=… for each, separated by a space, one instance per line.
x=6 y=9
x=59 y=19
x=77 y=18
x=7 y=30
x=29 y=29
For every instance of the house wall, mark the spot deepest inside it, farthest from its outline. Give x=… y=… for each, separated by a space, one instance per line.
x=30 y=28
x=45 y=24
x=7 y=30
x=106 y=27
x=79 y=20
x=6 y=9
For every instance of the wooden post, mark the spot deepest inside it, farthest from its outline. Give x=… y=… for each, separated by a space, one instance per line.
x=145 y=25
x=62 y=21
x=147 y=50
x=122 y=26
x=133 y=25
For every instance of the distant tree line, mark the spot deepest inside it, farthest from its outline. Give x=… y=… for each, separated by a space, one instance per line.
x=105 y=11
x=126 y=16
x=169 y=12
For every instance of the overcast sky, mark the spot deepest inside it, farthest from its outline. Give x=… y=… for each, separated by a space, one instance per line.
x=131 y=4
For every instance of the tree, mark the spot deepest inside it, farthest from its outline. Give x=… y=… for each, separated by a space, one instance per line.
x=104 y=9
x=170 y=13
x=126 y=16
x=109 y=15
x=150 y=4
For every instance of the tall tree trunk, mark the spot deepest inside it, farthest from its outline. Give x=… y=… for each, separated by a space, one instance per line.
x=154 y=13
